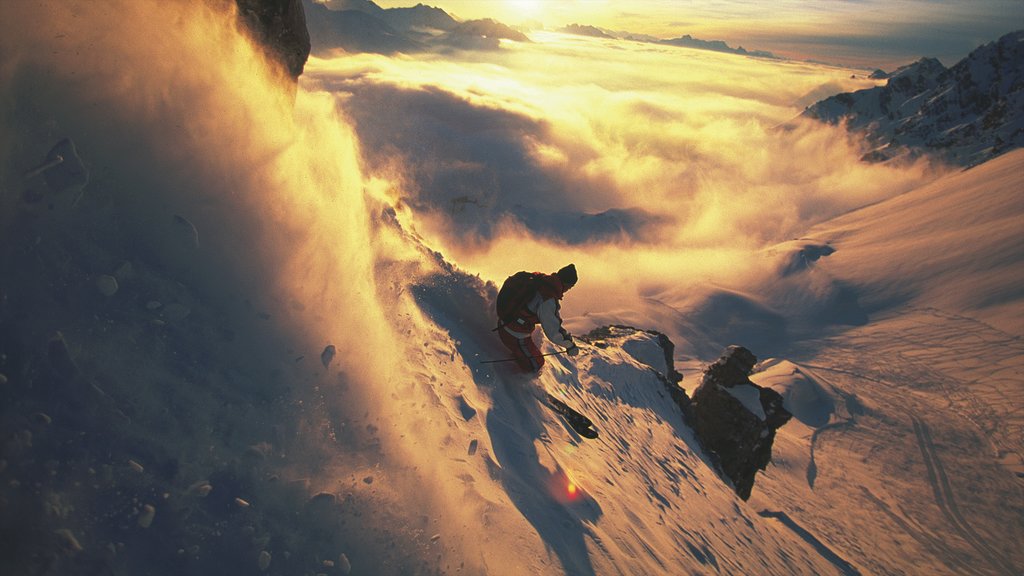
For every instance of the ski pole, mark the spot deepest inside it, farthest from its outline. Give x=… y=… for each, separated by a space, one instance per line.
x=514 y=359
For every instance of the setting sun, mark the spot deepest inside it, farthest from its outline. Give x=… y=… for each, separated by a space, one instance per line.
x=524 y=7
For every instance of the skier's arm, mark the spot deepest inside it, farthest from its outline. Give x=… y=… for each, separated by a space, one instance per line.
x=551 y=322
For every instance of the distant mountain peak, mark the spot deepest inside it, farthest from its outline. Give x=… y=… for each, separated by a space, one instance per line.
x=585 y=30
x=963 y=115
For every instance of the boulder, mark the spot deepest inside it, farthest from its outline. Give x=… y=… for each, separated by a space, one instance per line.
x=734 y=419
x=279 y=26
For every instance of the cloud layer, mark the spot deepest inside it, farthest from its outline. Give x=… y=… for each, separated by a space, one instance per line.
x=575 y=140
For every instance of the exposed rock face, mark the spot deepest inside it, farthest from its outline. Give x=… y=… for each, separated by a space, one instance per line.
x=280 y=27
x=965 y=115
x=735 y=419
x=354 y=30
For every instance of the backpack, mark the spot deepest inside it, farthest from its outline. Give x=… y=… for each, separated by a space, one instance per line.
x=515 y=293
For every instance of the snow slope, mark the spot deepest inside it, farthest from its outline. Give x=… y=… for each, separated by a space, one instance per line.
x=915 y=417
x=646 y=499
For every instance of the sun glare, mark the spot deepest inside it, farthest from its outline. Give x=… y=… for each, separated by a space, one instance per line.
x=523 y=8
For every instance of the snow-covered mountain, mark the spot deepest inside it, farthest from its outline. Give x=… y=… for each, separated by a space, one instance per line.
x=965 y=115
x=223 y=352
x=366 y=27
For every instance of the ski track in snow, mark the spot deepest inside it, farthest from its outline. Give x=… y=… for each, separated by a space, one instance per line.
x=947 y=502
x=909 y=368
x=925 y=538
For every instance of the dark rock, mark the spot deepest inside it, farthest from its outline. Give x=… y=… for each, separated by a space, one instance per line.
x=354 y=31
x=279 y=26
x=328 y=355
x=737 y=437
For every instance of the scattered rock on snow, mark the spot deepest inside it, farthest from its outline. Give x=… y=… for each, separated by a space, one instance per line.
x=67 y=541
x=264 y=560
x=344 y=566
x=146 y=516
x=328 y=355
x=106 y=284
x=739 y=437
x=201 y=488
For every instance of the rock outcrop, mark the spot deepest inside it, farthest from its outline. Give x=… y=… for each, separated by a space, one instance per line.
x=279 y=26
x=735 y=419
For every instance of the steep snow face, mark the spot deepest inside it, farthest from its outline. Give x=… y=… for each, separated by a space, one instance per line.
x=965 y=115
x=640 y=499
x=912 y=417
x=955 y=244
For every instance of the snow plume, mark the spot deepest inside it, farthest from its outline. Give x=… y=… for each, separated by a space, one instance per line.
x=656 y=169
x=187 y=129
x=253 y=201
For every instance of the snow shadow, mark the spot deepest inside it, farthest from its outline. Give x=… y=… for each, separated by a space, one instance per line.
x=844 y=567
x=461 y=304
x=729 y=317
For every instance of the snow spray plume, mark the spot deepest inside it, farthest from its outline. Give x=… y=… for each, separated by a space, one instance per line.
x=256 y=202
x=208 y=166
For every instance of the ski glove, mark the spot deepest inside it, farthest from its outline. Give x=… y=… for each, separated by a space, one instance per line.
x=572 y=350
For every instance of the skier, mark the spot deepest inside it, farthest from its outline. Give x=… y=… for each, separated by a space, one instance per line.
x=526 y=299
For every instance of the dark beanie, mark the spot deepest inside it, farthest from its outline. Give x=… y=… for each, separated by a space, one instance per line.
x=568 y=276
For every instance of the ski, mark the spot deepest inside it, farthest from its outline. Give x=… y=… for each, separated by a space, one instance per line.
x=580 y=423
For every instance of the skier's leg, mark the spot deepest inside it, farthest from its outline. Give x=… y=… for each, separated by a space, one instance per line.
x=523 y=350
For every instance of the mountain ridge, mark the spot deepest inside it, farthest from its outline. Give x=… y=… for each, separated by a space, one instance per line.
x=963 y=115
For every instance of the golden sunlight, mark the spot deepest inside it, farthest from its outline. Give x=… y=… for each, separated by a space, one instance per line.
x=524 y=8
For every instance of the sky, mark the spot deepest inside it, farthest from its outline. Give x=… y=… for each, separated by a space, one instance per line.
x=865 y=33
